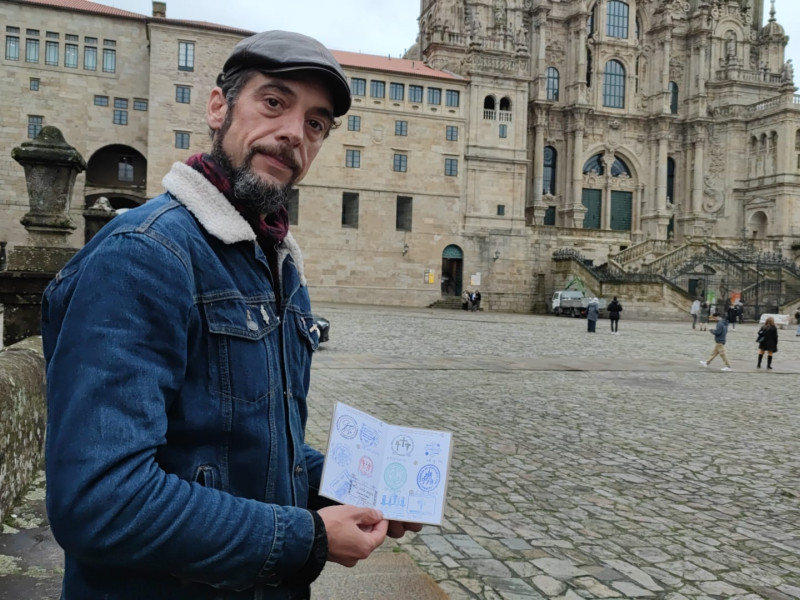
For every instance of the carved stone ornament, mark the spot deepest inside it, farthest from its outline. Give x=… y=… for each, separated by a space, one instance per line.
x=614 y=124
x=713 y=198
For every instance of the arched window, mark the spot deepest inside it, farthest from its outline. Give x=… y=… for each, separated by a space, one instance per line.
x=673 y=97
x=638 y=27
x=488 y=108
x=617 y=21
x=595 y=165
x=505 y=103
x=670 y=181
x=550 y=159
x=552 y=83
x=614 y=85
x=620 y=168
x=590 y=24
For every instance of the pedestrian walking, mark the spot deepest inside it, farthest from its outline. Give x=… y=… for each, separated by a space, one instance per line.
x=178 y=347
x=767 y=342
x=592 y=314
x=695 y=311
x=732 y=315
x=614 y=308
x=797 y=318
x=705 y=313
x=720 y=334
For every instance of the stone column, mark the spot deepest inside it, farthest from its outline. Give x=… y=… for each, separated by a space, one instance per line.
x=538 y=160
x=699 y=171
x=661 y=183
x=578 y=209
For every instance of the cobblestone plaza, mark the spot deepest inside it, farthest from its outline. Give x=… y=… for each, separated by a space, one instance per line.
x=585 y=466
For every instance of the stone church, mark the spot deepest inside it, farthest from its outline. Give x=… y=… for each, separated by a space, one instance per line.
x=650 y=148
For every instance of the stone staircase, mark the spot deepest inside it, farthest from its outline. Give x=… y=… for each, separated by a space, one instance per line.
x=449 y=302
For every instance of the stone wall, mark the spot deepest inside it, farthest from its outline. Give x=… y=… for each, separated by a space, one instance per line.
x=24 y=409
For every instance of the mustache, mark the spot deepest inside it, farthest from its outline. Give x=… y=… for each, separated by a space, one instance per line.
x=281 y=152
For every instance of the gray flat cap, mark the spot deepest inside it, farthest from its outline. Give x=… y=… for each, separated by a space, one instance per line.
x=274 y=52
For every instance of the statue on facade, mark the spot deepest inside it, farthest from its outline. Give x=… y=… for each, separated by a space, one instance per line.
x=500 y=14
x=788 y=71
x=730 y=46
x=522 y=36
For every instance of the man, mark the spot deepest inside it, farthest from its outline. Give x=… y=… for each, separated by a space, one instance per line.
x=695 y=311
x=614 y=308
x=720 y=333
x=178 y=345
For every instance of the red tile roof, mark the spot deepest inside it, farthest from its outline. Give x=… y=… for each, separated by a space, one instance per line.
x=385 y=63
x=85 y=6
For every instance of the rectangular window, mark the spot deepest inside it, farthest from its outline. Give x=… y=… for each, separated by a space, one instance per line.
x=125 y=168
x=349 y=209
x=12 y=29
x=32 y=51
x=32 y=32
x=110 y=43
x=120 y=117
x=403 y=212
x=400 y=163
x=109 y=60
x=452 y=97
x=377 y=89
x=451 y=133
x=503 y=130
x=501 y=210
x=71 y=56
x=415 y=93
x=186 y=56
x=353 y=123
x=293 y=206
x=353 y=159
x=358 y=86
x=51 y=53
x=90 y=58
x=71 y=37
x=183 y=94
x=451 y=167
x=101 y=100
x=139 y=104
x=397 y=91
x=182 y=139
x=550 y=216
x=53 y=35
x=434 y=96
x=401 y=127
x=92 y=41
x=121 y=103
x=12 y=47
x=35 y=123
x=34 y=84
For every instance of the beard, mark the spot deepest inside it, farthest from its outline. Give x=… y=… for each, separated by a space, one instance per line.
x=250 y=191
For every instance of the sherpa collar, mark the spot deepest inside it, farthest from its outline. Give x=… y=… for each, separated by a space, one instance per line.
x=218 y=216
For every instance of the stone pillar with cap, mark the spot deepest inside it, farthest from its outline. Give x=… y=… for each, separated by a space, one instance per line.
x=51 y=166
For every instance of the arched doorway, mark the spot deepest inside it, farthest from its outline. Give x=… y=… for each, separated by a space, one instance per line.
x=452 y=269
x=758 y=225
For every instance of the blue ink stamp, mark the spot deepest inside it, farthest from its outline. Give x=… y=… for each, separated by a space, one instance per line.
x=347 y=427
x=421 y=505
x=402 y=445
x=341 y=455
x=342 y=485
x=369 y=437
x=395 y=476
x=433 y=449
x=428 y=478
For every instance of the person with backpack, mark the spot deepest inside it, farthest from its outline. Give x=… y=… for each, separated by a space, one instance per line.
x=614 y=308
x=767 y=342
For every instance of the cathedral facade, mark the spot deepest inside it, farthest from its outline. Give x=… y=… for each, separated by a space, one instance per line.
x=511 y=130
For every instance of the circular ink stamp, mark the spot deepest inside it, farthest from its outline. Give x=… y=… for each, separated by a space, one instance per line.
x=341 y=455
x=347 y=427
x=428 y=478
x=402 y=445
x=369 y=437
x=395 y=475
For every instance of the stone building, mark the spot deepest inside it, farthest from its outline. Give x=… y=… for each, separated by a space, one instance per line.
x=630 y=133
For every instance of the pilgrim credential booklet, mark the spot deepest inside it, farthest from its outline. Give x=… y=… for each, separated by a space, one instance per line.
x=401 y=471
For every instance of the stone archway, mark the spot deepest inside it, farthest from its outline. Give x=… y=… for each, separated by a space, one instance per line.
x=758 y=225
x=452 y=270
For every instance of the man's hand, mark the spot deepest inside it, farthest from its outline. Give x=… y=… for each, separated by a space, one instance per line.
x=397 y=529
x=353 y=532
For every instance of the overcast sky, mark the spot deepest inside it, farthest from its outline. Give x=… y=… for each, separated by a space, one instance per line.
x=384 y=27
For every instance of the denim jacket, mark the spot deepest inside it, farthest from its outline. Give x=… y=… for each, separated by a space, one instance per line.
x=176 y=461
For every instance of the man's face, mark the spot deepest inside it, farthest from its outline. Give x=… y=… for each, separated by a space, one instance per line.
x=269 y=139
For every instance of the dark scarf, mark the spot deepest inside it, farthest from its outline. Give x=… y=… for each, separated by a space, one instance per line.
x=270 y=230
